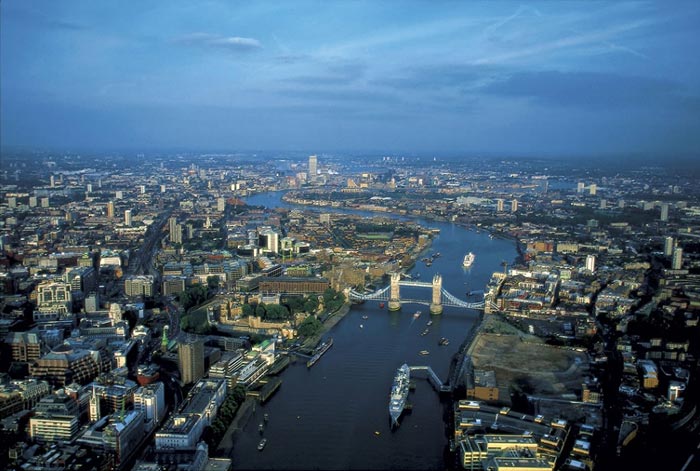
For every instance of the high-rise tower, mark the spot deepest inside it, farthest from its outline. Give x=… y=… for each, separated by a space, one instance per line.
x=191 y=357
x=313 y=169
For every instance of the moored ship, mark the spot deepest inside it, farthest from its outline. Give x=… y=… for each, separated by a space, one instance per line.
x=468 y=260
x=320 y=350
x=399 y=393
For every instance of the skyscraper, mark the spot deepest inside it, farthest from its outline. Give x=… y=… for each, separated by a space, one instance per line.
x=677 y=258
x=590 y=263
x=592 y=189
x=127 y=217
x=313 y=164
x=499 y=205
x=664 y=212
x=110 y=209
x=514 y=206
x=191 y=358
x=669 y=243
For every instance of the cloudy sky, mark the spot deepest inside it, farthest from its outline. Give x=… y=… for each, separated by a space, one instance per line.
x=555 y=78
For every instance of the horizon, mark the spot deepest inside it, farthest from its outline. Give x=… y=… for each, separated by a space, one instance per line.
x=508 y=80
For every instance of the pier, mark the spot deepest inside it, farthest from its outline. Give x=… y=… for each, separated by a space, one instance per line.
x=268 y=387
x=433 y=379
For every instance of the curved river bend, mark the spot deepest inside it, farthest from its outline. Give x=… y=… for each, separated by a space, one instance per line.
x=327 y=417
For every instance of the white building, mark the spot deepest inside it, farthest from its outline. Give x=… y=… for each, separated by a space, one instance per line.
x=590 y=263
x=150 y=400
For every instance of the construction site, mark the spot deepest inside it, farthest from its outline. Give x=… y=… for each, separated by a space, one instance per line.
x=507 y=363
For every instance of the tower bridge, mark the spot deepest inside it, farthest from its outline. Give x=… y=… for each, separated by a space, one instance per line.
x=392 y=294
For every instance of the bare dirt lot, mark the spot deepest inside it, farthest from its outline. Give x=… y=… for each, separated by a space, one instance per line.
x=523 y=364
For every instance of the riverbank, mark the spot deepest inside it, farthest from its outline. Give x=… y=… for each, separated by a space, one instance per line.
x=243 y=415
x=328 y=323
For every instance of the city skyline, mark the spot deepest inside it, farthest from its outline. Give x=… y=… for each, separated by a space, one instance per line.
x=523 y=79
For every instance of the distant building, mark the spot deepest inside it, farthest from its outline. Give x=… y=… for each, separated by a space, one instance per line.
x=677 y=262
x=669 y=244
x=127 y=218
x=514 y=206
x=313 y=170
x=590 y=263
x=291 y=285
x=139 y=285
x=499 y=205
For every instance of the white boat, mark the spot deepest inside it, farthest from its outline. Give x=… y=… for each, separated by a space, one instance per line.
x=262 y=444
x=468 y=260
x=417 y=314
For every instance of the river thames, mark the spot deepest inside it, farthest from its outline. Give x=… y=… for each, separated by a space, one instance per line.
x=335 y=415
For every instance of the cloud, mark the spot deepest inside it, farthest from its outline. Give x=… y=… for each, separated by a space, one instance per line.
x=214 y=41
x=588 y=89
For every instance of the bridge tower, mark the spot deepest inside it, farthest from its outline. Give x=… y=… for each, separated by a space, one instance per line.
x=394 y=295
x=436 y=304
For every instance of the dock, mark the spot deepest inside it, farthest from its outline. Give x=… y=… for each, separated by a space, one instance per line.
x=280 y=364
x=269 y=386
x=433 y=379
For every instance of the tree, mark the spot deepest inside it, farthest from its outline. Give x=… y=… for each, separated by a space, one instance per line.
x=311 y=304
x=276 y=312
x=295 y=304
x=213 y=282
x=248 y=310
x=260 y=311
x=310 y=327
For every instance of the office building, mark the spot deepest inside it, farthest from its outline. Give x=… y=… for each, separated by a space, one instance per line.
x=65 y=365
x=669 y=244
x=83 y=279
x=664 y=212
x=175 y=231
x=139 y=285
x=19 y=395
x=54 y=297
x=150 y=399
x=117 y=435
x=127 y=218
x=180 y=432
x=221 y=204
x=593 y=189
x=313 y=170
x=56 y=418
x=205 y=398
x=110 y=209
x=191 y=360
x=580 y=186
x=499 y=205
x=677 y=262
x=24 y=346
x=514 y=206
x=115 y=393
x=590 y=263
